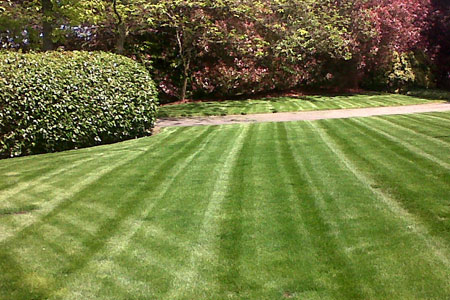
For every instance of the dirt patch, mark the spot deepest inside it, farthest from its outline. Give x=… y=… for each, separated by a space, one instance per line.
x=17 y=210
x=303 y=115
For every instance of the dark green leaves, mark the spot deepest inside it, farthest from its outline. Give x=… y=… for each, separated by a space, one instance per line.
x=65 y=100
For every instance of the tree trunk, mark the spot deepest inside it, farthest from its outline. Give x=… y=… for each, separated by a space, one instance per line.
x=47 y=28
x=120 y=45
x=121 y=31
x=184 y=88
x=186 y=63
x=352 y=76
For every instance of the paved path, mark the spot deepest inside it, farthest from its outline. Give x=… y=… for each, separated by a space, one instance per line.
x=304 y=115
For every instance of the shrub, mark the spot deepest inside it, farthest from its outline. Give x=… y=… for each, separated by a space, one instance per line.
x=404 y=72
x=57 y=101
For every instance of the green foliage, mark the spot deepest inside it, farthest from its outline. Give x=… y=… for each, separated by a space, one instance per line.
x=405 y=71
x=401 y=74
x=203 y=48
x=64 y=100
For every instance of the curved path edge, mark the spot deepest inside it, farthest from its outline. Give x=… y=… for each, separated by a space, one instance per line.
x=303 y=115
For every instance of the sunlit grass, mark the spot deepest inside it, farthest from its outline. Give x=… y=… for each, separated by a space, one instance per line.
x=332 y=209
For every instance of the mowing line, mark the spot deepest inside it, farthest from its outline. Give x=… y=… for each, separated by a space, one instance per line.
x=17 y=223
x=339 y=104
x=411 y=131
x=348 y=104
x=259 y=237
x=418 y=121
x=380 y=140
x=106 y=229
x=9 y=193
x=230 y=248
x=35 y=160
x=437 y=117
x=434 y=120
x=117 y=243
x=330 y=228
x=370 y=102
x=89 y=179
x=311 y=103
x=298 y=222
x=295 y=104
x=398 y=162
x=415 y=226
x=130 y=226
x=188 y=279
x=405 y=144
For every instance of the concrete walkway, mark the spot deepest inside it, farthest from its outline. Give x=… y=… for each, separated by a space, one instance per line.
x=304 y=115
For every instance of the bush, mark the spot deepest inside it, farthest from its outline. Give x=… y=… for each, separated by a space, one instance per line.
x=57 y=101
x=404 y=72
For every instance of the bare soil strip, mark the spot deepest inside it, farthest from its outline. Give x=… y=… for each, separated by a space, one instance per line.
x=303 y=115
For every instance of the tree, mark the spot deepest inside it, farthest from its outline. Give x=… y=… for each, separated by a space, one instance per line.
x=192 y=27
x=230 y=47
x=53 y=20
x=47 y=27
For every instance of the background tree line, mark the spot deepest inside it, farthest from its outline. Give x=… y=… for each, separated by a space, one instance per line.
x=202 y=48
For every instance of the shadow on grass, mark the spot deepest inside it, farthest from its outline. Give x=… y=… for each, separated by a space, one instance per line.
x=21 y=281
x=296 y=102
x=431 y=94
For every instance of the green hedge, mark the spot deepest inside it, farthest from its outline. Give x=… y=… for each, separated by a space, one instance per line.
x=57 y=101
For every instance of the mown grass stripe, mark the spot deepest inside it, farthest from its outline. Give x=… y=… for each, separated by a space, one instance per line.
x=262 y=272
x=70 y=194
x=32 y=182
x=349 y=104
x=433 y=244
x=440 y=116
x=187 y=279
x=406 y=129
x=173 y=212
x=388 y=153
x=430 y=119
x=129 y=227
x=303 y=226
x=231 y=224
x=84 y=180
x=422 y=125
x=413 y=149
x=321 y=226
x=411 y=181
x=106 y=228
x=311 y=103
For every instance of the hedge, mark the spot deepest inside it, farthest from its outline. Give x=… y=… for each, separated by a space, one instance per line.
x=57 y=101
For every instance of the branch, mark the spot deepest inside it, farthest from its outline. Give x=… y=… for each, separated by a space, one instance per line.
x=119 y=17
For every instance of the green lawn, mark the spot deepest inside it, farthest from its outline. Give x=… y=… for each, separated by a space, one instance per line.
x=333 y=209
x=303 y=103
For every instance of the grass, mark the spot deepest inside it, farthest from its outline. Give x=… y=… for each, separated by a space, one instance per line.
x=332 y=209
x=302 y=103
x=430 y=94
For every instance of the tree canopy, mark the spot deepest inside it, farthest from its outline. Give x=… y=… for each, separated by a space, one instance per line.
x=232 y=47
